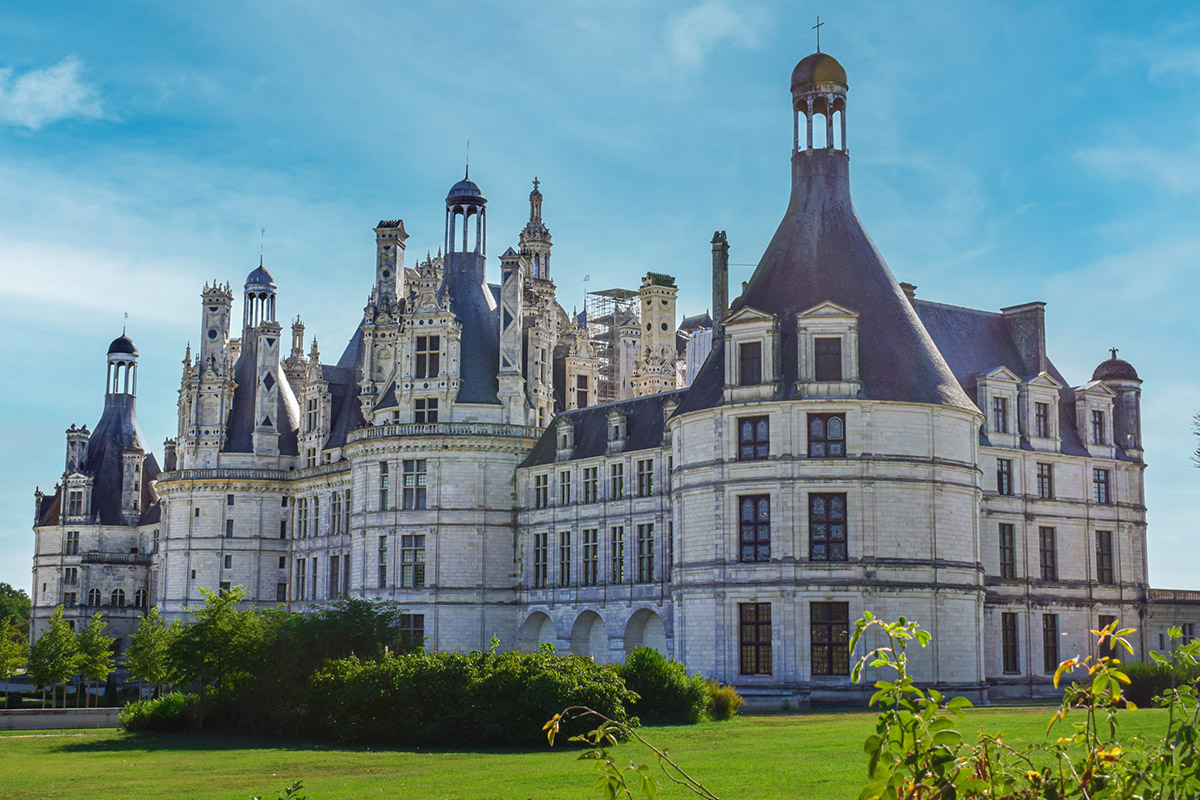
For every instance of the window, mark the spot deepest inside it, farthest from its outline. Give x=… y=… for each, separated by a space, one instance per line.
x=1109 y=649
x=828 y=361
x=830 y=638
x=1104 y=557
x=314 y=577
x=139 y=598
x=754 y=638
x=281 y=593
x=301 y=578
x=617 y=553
x=616 y=481
x=1004 y=476
x=1100 y=486
x=1049 y=642
x=412 y=630
x=154 y=541
x=1045 y=481
x=282 y=532
x=591 y=555
x=754 y=438
x=826 y=435
x=591 y=484
x=382 y=561
x=564 y=488
x=415 y=479
x=224 y=588
x=754 y=527
x=335 y=572
x=1008 y=551
x=1000 y=414
x=283 y=562
x=384 y=484
x=346 y=511
x=93 y=597
x=645 y=477
x=1049 y=553
x=335 y=513
x=72 y=548
x=412 y=561
x=71 y=576
x=426 y=409
x=1188 y=629
x=310 y=415
x=70 y=599
x=827 y=527
x=1008 y=642
x=75 y=503
x=1098 y=427
x=228 y=562
x=645 y=552
x=228 y=529
x=541 y=491
x=228 y=499
x=541 y=546
x=1041 y=419
x=564 y=558
x=117 y=598
x=429 y=356
x=749 y=363
x=283 y=502
x=316 y=516
x=581 y=391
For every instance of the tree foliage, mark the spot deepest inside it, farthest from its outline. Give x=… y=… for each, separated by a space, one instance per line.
x=14 y=652
x=216 y=651
x=14 y=605
x=54 y=657
x=95 y=661
x=148 y=656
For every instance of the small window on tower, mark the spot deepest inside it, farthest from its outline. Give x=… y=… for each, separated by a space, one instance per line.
x=750 y=363
x=828 y=352
x=428 y=356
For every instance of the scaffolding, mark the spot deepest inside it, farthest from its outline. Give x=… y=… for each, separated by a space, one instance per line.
x=607 y=311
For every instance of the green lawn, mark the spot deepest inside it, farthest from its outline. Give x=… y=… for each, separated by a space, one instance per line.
x=801 y=756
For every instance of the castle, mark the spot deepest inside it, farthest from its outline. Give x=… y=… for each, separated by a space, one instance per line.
x=733 y=491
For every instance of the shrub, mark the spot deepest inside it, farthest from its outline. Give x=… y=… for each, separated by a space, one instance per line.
x=169 y=713
x=723 y=701
x=666 y=693
x=1149 y=680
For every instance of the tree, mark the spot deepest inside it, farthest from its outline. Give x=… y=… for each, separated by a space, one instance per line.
x=14 y=651
x=148 y=651
x=14 y=605
x=95 y=661
x=54 y=657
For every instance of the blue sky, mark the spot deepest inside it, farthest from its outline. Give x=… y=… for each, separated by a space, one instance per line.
x=1001 y=153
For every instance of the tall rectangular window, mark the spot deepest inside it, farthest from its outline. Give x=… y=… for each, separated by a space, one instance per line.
x=1104 y=557
x=228 y=529
x=591 y=555
x=827 y=527
x=581 y=391
x=1041 y=419
x=754 y=638
x=429 y=355
x=826 y=435
x=415 y=479
x=1045 y=481
x=1009 y=642
x=425 y=410
x=335 y=574
x=1098 y=436
x=616 y=481
x=616 y=553
x=301 y=578
x=1008 y=551
x=315 y=572
x=281 y=593
x=1004 y=476
x=749 y=363
x=72 y=548
x=828 y=358
x=1100 y=486
x=591 y=484
x=541 y=559
x=564 y=487
x=335 y=513
x=71 y=576
x=282 y=532
x=1049 y=553
x=1049 y=642
x=645 y=552
x=754 y=528
x=412 y=630
x=754 y=438
x=412 y=561
x=228 y=499
x=75 y=503
x=302 y=518
x=830 y=638
x=310 y=415
x=316 y=516
x=541 y=491
x=384 y=485
x=382 y=561
x=564 y=558
x=645 y=477
x=999 y=414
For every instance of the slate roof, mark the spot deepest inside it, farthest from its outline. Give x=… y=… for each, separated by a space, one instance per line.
x=473 y=303
x=345 y=410
x=240 y=425
x=644 y=425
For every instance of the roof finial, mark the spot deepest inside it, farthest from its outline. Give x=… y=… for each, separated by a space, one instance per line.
x=467 y=175
x=817 y=28
x=125 y=324
x=535 y=183
x=262 y=238
x=1113 y=350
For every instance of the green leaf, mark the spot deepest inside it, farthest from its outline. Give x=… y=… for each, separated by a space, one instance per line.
x=872 y=744
x=959 y=702
x=947 y=738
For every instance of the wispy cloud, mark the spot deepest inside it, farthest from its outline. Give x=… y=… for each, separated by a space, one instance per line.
x=40 y=97
x=693 y=34
x=1175 y=171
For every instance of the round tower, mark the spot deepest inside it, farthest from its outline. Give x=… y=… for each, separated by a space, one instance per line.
x=1120 y=376
x=122 y=366
x=466 y=200
x=819 y=90
x=260 y=298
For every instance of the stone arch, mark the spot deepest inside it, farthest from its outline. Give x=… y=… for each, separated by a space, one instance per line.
x=589 y=637
x=537 y=629
x=645 y=629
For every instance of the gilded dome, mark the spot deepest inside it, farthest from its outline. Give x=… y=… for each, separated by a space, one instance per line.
x=815 y=70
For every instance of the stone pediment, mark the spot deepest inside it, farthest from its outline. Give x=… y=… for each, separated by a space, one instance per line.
x=1095 y=387
x=1045 y=380
x=748 y=314
x=827 y=309
x=1001 y=373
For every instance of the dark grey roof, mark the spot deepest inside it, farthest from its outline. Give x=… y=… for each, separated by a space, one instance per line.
x=696 y=321
x=345 y=409
x=465 y=191
x=644 y=425
x=239 y=433
x=122 y=344
x=260 y=277
x=1115 y=369
x=475 y=307
x=820 y=253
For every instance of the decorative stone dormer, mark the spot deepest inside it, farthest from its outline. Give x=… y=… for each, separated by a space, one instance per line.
x=131 y=485
x=1038 y=401
x=616 y=431
x=668 y=408
x=751 y=355
x=77 y=445
x=564 y=435
x=827 y=358
x=1094 y=418
x=76 y=498
x=996 y=393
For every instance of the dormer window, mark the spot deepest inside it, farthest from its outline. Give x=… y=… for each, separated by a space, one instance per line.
x=616 y=431
x=752 y=360
x=999 y=414
x=426 y=409
x=828 y=352
x=750 y=363
x=1098 y=430
x=429 y=357
x=1041 y=420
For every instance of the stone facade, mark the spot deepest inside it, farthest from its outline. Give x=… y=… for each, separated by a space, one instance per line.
x=824 y=445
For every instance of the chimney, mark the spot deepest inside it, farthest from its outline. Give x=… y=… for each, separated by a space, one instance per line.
x=1027 y=326
x=720 y=278
x=910 y=291
x=169 y=458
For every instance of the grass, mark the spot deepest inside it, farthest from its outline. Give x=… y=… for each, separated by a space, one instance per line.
x=802 y=756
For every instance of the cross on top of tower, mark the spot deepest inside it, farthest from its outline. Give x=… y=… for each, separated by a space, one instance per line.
x=817 y=28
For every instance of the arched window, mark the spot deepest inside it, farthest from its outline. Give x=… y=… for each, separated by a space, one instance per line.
x=118 y=598
x=93 y=597
x=139 y=598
